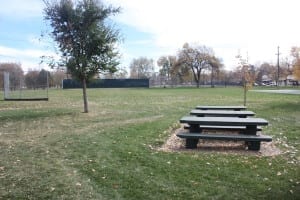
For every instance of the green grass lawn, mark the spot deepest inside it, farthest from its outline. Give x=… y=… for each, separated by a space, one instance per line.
x=51 y=150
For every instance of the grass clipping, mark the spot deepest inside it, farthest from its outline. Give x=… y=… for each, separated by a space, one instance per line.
x=176 y=144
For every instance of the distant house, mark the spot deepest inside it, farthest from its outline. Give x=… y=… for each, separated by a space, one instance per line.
x=291 y=80
x=283 y=81
x=266 y=80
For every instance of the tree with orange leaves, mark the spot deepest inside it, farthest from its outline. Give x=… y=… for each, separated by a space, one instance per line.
x=247 y=74
x=295 y=53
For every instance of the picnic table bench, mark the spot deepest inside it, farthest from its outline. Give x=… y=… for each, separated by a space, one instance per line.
x=249 y=135
x=221 y=113
x=241 y=129
x=221 y=108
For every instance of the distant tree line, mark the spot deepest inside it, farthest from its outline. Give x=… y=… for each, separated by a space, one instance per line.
x=15 y=72
x=190 y=64
x=198 y=65
x=173 y=70
x=32 y=79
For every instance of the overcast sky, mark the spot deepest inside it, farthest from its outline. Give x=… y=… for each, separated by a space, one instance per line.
x=154 y=28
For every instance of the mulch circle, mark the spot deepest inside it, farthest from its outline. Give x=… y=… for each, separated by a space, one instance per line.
x=176 y=144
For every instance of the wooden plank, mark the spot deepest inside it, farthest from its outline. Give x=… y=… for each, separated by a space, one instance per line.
x=224 y=121
x=237 y=137
x=232 y=128
x=221 y=113
x=252 y=141
x=221 y=107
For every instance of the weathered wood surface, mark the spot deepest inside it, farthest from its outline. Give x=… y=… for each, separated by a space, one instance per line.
x=221 y=108
x=221 y=113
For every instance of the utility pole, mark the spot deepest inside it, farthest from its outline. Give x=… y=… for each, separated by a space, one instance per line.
x=277 y=84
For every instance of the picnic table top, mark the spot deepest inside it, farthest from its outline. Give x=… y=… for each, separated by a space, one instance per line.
x=222 y=112
x=224 y=121
x=221 y=107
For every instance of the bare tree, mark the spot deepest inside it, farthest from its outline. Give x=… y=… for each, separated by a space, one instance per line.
x=197 y=58
x=121 y=73
x=266 y=70
x=16 y=73
x=215 y=65
x=57 y=78
x=31 y=79
x=166 y=63
x=180 y=72
x=141 y=68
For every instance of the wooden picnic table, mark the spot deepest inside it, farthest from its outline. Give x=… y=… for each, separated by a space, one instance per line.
x=221 y=113
x=250 y=123
x=236 y=108
x=249 y=135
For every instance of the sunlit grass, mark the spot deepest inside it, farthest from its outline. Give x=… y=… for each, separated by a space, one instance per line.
x=51 y=150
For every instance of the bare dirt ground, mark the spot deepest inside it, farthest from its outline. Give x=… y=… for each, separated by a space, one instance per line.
x=176 y=144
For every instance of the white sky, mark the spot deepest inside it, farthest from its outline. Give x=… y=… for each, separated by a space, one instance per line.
x=253 y=26
x=161 y=27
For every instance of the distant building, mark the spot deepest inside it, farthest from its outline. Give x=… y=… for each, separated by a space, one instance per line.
x=266 y=80
x=291 y=80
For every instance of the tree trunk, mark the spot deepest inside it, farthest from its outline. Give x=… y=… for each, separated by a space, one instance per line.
x=85 y=102
x=212 y=78
x=245 y=94
x=198 y=78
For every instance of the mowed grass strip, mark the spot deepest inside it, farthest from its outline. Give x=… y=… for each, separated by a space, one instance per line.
x=51 y=150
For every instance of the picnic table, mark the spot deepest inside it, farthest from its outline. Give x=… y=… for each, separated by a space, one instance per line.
x=221 y=113
x=250 y=136
x=221 y=108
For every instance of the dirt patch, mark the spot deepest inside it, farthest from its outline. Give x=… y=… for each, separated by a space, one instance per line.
x=176 y=144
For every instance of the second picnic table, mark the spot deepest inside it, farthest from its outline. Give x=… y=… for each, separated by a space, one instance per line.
x=249 y=135
x=236 y=108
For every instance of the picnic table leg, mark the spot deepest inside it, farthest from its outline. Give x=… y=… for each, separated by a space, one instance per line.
x=192 y=143
x=250 y=130
x=252 y=145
